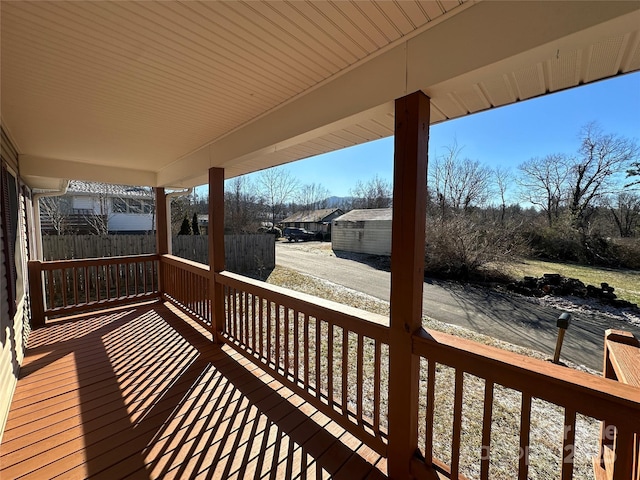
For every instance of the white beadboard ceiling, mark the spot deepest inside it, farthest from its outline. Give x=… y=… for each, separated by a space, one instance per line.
x=156 y=93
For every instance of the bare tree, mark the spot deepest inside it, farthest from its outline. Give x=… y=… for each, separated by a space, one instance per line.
x=625 y=210
x=459 y=184
x=98 y=218
x=180 y=207
x=543 y=182
x=277 y=187
x=601 y=157
x=54 y=214
x=242 y=206
x=312 y=196
x=375 y=193
x=503 y=178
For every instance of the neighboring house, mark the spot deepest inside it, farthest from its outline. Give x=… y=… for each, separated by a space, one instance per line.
x=363 y=231
x=92 y=207
x=313 y=220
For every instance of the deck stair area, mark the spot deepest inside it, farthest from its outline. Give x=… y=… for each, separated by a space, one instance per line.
x=621 y=363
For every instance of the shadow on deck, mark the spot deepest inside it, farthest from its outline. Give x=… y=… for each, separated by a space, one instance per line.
x=141 y=392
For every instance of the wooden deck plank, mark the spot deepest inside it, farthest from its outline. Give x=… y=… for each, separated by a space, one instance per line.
x=143 y=393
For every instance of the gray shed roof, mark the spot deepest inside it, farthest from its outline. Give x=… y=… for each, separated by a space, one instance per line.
x=366 y=214
x=311 y=215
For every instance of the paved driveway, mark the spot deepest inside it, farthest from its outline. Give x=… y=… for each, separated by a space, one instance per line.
x=506 y=317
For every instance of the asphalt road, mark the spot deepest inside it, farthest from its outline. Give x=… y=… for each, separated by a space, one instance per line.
x=501 y=316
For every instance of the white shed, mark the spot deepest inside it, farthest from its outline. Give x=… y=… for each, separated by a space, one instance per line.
x=363 y=231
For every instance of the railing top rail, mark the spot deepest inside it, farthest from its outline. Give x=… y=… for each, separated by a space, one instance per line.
x=588 y=394
x=191 y=266
x=358 y=321
x=58 y=264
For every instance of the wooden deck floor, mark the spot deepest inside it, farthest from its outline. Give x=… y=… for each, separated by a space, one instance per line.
x=142 y=393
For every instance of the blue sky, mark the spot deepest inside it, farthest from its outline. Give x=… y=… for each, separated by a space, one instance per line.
x=504 y=136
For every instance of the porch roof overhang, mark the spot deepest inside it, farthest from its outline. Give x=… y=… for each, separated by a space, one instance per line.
x=156 y=93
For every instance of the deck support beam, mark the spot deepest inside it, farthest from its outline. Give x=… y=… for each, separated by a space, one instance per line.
x=162 y=229
x=216 y=248
x=407 y=276
x=162 y=232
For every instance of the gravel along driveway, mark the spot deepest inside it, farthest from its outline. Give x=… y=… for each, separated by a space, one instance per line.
x=511 y=318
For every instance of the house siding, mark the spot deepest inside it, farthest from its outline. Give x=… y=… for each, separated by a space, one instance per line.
x=368 y=236
x=130 y=222
x=14 y=322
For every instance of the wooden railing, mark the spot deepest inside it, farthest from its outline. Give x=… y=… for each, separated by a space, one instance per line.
x=560 y=394
x=186 y=284
x=475 y=400
x=333 y=356
x=70 y=286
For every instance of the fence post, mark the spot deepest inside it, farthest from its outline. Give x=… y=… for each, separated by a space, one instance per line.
x=407 y=276
x=36 y=294
x=216 y=248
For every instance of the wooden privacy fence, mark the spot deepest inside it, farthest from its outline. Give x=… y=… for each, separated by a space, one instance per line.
x=243 y=253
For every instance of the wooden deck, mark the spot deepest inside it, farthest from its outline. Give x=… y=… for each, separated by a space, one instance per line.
x=141 y=392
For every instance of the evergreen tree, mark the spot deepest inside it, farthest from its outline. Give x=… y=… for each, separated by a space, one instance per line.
x=195 y=228
x=185 y=228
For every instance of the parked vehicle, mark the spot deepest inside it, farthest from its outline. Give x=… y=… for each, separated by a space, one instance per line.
x=298 y=234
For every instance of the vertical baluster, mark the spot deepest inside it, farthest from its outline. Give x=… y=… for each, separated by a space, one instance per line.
x=154 y=276
x=296 y=347
x=108 y=281
x=248 y=322
x=117 y=267
x=98 y=270
x=487 y=418
x=126 y=280
x=262 y=327
x=568 y=444
x=269 y=343
x=136 y=278
x=75 y=285
x=277 y=359
x=305 y=319
x=525 y=423
x=241 y=318
x=254 y=335
x=86 y=285
x=457 y=424
x=627 y=463
x=345 y=370
x=144 y=277
x=431 y=387
x=287 y=322
x=236 y=328
x=330 y=364
x=317 y=352
x=360 y=376
x=52 y=298
x=64 y=287
x=377 y=361
x=229 y=311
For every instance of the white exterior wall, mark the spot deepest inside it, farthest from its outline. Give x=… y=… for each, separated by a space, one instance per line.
x=370 y=236
x=130 y=222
